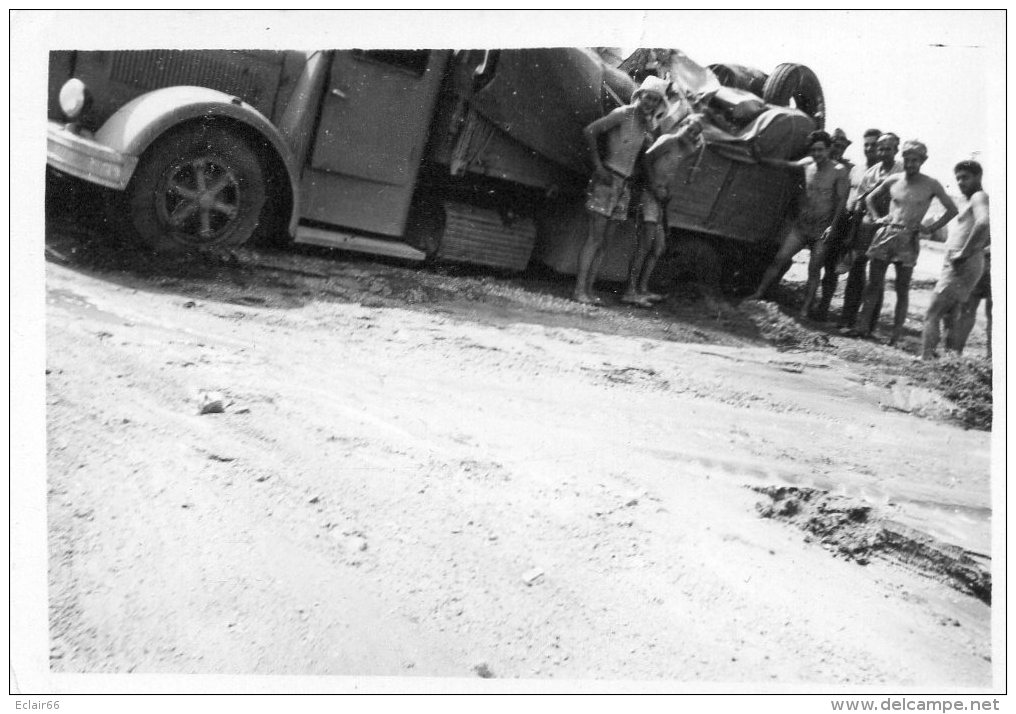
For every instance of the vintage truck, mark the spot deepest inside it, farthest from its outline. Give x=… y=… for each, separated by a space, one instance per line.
x=464 y=156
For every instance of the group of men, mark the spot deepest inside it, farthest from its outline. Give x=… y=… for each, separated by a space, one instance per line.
x=853 y=219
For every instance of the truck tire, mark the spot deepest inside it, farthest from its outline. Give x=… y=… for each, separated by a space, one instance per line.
x=198 y=186
x=797 y=83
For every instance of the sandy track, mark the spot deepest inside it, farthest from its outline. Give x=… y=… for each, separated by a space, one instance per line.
x=386 y=471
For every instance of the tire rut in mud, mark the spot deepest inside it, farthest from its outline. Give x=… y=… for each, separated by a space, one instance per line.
x=858 y=532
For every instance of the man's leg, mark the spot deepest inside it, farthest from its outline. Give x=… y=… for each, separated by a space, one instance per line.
x=872 y=298
x=987 y=315
x=903 y=276
x=829 y=282
x=853 y=291
x=656 y=250
x=941 y=305
x=792 y=244
x=609 y=232
x=639 y=260
x=815 y=263
x=963 y=325
x=589 y=258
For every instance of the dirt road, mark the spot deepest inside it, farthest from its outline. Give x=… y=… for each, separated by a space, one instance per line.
x=307 y=463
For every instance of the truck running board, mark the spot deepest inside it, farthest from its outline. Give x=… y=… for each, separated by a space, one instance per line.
x=360 y=244
x=480 y=236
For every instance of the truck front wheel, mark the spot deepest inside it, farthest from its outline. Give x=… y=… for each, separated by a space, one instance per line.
x=197 y=187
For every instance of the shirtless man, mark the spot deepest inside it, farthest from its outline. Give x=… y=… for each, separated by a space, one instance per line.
x=885 y=165
x=898 y=240
x=841 y=229
x=650 y=239
x=826 y=186
x=964 y=259
x=629 y=130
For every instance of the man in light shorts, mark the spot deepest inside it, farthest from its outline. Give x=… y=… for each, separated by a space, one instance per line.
x=651 y=240
x=629 y=130
x=964 y=257
x=897 y=241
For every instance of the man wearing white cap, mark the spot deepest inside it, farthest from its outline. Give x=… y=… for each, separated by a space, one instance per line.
x=897 y=241
x=629 y=130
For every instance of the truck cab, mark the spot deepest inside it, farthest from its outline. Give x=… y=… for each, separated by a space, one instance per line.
x=412 y=153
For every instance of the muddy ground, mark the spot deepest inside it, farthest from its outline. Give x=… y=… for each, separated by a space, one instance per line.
x=316 y=463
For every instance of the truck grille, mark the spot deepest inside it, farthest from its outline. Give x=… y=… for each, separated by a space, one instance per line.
x=232 y=74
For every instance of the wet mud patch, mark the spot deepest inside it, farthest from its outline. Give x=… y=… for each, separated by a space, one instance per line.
x=859 y=532
x=638 y=377
x=782 y=331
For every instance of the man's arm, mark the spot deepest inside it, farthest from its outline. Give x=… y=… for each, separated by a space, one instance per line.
x=593 y=132
x=841 y=190
x=950 y=209
x=781 y=164
x=980 y=235
x=875 y=194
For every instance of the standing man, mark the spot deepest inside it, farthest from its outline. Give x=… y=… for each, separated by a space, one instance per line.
x=885 y=165
x=826 y=186
x=965 y=315
x=628 y=130
x=897 y=242
x=840 y=144
x=964 y=258
x=871 y=147
x=841 y=230
x=651 y=240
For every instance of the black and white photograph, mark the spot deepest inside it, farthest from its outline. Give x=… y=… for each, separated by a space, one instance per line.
x=494 y=352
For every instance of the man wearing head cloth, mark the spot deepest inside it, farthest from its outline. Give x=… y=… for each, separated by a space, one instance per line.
x=840 y=144
x=629 y=130
x=897 y=241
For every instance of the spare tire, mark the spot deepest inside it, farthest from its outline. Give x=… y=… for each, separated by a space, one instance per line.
x=798 y=83
x=740 y=77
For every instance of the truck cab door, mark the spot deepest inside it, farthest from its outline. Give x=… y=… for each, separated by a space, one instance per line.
x=374 y=124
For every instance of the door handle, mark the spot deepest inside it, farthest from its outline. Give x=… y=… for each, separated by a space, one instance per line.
x=336 y=92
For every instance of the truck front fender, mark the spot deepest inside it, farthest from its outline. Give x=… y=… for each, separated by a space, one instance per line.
x=140 y=122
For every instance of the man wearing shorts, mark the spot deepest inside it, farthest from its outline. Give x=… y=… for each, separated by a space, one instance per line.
x=628 y=130
x=897 y=241
x=651 y=241
x=965 y=315
x=964 y=257
x=826 y=187
x=885 y=165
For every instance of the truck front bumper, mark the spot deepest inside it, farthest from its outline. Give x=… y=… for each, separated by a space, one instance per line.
x=87 y=159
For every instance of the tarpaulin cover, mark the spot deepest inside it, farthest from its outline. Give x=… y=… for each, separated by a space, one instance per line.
x=544 y=98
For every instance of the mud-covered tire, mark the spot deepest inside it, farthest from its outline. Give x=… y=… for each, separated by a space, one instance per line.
x=797 y=83
x=198 y=186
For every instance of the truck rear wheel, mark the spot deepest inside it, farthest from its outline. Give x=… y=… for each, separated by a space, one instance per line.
x=797 y=83
x=197 y=187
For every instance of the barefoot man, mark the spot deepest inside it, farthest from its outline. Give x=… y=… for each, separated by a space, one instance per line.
x=898 y=240
x=826 y=187
x=964 y=257
x=629 y=131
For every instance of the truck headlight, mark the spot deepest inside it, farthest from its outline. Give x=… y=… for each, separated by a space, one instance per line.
x=74 y=98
